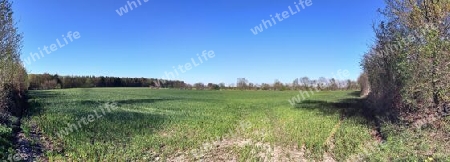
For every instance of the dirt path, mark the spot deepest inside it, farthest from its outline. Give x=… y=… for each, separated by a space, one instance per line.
x=29 y=148
x=328 y=155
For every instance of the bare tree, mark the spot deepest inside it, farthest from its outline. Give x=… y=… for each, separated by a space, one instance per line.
x=242 y=83
x=251 y=86
x=277 y=85
x=199 y=86
x=305 y=82
x=333 y=84
x=265 y=86
x=295 y=84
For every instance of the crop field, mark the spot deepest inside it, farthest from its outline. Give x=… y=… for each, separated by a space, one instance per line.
x=141 y=124
x=198 y=85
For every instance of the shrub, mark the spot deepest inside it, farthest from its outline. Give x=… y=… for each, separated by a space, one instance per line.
x=13 y=77
x=408 y=68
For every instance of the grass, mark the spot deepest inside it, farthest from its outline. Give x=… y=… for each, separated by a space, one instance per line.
x=191 y=125
x=7 y=136
x=413 y=144
x=5 y=141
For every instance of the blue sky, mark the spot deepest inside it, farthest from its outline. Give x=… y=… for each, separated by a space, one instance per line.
x=149 y=40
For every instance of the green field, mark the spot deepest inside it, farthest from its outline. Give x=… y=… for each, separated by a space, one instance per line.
x=147 y=125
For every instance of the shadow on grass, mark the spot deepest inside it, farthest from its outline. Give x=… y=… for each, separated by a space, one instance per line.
x=82 y=108
x=347 y=108
x=115 y=130
x=355 y=94
x=120 y=127
x=95 y=103
x=34 y=107
x=77 y=108
x=142 y=101
x=116 y=127
x=42 y=94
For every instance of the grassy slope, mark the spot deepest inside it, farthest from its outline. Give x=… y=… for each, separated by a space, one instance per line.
x=162 y=123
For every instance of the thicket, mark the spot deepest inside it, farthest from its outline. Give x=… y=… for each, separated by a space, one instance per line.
x=13 y=77
x=408 y=66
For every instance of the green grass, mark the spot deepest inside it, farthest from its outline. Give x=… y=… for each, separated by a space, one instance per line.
x=5 y=141
x=7 y=137
x=165 y=124
x=411 y=144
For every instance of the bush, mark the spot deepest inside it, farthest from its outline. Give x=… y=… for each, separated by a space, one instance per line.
x=5 y=141
x=408 y=68
x=13 y=77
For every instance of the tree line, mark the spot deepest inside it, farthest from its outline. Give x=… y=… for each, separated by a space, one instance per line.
x=48 y=81
x=303 y=83
x=407 y=70
x=13 y=78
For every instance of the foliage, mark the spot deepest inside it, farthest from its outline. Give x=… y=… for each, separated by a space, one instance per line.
x=47 y=81
x=12 y=73
x=13 y=77
x=411 y=144
x=408 y=67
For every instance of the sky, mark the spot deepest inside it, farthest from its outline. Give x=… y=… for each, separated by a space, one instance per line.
x=157 y=36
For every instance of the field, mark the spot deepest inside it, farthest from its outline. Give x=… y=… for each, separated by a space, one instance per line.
x=142 y=124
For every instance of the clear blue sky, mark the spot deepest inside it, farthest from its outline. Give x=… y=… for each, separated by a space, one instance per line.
x=149 y=40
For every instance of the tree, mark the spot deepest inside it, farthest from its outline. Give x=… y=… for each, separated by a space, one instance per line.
x=305 y=82
x=242 y=83
x=313 y=83
x=199 y=86
x=408 y=66
x=222 y=85
x=322 y=83
x=265 y=86
x=212 y=86
x=216 y=87
x=13 y=77
x=189 y=86
x=277 y=85
x=295 y=84
x=88 y=83
x=333 y=84
x=251 y=86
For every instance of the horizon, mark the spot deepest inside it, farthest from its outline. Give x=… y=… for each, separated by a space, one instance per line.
x=340 y=75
